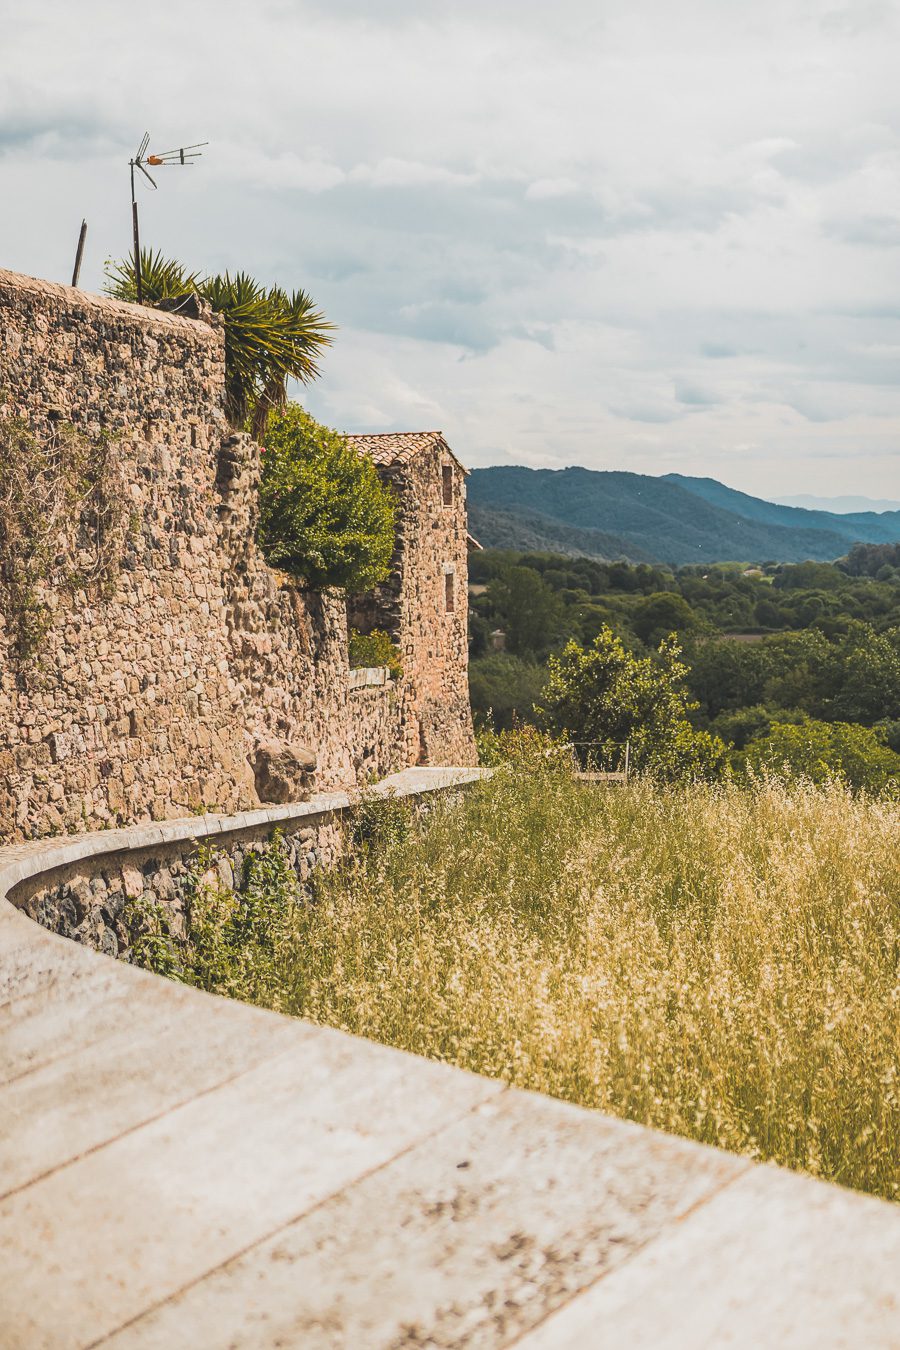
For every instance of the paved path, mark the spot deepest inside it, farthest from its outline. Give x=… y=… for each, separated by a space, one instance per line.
x=177 y=1170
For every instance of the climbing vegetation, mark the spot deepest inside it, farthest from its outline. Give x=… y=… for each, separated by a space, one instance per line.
x=325 y=515
x=64 y=518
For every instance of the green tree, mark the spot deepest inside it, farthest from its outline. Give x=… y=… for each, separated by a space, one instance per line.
x=606 y=696
x=504 y=687
x=661 y=614
x=532 y=614
x=325 y=515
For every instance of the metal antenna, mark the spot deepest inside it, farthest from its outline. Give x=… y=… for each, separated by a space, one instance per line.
x=184 y=155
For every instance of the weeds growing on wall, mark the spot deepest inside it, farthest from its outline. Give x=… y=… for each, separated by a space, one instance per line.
x=375 y=649
x=63 y=523
x=717 y=961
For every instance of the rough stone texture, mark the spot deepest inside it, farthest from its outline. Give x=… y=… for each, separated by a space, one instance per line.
x=412 y=604
x=149 y=703
x=283 y=773
x=89 y=902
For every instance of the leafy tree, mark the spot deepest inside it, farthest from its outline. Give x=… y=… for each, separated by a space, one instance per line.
x=661 y=614
x=505 y=688
x=325 y=515
x=606 y=696
x=533 y=615
x=270 y=336
x=823 y=750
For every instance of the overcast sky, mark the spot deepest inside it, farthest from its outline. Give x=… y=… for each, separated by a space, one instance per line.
x=642 y=234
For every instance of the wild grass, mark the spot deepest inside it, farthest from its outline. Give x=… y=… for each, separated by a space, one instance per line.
x=716 y=961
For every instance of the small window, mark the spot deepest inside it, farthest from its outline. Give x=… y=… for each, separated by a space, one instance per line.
x=449 y=592
x=447 y=484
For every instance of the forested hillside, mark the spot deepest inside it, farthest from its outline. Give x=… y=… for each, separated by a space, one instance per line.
x=776 y=652
x=672 y=519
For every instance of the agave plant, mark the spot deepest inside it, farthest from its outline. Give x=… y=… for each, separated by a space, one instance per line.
x=270 y=336
x=161 y=278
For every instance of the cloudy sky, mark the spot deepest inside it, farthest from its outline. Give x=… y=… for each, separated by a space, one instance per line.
x=636 y=234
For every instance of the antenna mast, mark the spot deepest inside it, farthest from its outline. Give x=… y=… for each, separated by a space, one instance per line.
x=184 y=155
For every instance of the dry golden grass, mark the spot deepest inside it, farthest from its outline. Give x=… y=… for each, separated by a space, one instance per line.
x=718 y=962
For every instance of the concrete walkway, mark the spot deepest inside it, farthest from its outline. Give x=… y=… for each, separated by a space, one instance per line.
x=178 y=1171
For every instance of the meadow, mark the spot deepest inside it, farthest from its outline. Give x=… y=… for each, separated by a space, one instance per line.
x=718 y=961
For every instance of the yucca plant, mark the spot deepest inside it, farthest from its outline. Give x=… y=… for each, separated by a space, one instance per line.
x=161 y=278
x=270 y=336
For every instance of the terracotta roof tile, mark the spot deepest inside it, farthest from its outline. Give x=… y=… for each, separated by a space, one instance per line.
x=399 y=447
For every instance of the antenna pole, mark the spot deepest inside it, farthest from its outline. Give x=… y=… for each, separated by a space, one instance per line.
x=79 y=253
x=138 y=280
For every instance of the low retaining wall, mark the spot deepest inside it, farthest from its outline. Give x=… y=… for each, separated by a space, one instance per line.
x=86 y=896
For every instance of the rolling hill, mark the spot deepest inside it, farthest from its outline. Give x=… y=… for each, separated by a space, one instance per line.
x=673 y=519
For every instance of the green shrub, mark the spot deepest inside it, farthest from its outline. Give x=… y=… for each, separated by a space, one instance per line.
x=504 y=688
x=325 y=515
x=375 y=649
x=819 y=751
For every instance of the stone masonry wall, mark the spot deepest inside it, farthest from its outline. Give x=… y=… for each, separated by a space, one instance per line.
x=148 y=704
x=97 y=902
x=412 y=604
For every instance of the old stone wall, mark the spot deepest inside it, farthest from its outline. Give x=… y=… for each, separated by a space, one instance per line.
x=424 y=602
x=148 y=702
x=98 y=902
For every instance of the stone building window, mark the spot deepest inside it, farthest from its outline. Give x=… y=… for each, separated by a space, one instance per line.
x=447 y=484
x=449 y=592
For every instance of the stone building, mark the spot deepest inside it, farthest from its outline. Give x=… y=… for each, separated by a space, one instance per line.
x=423 y=605
x=165 y=693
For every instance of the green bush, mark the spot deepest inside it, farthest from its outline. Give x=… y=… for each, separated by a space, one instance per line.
x=820 y=751
x=504 y=688
x=325 y=515
x=375 y=649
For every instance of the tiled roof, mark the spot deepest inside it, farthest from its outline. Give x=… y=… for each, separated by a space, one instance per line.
x=399 y=447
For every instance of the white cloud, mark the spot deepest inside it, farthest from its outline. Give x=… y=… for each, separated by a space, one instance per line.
x=648 y=236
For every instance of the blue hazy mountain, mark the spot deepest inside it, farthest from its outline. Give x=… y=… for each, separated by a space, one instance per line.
x=673 y=518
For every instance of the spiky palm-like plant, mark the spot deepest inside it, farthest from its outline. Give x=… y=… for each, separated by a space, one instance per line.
x=161 y=278
x=270 y=336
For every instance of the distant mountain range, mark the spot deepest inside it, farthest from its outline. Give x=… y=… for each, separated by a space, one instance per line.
x=672 y=519
x=840 y=504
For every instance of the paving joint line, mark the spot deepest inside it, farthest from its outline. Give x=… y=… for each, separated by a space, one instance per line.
x=445 y=1125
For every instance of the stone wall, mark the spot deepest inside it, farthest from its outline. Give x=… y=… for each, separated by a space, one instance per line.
x=429 y=567
x=150 y=702
x=97 y=902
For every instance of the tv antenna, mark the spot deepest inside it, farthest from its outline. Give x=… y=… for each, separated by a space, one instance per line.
x=184 y=155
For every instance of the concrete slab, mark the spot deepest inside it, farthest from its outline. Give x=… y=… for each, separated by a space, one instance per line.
x=88 y=1097
x=776 y=1260
x=168 y=1202
x=468 y=1239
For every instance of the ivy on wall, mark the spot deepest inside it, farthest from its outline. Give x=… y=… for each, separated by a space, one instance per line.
x=64 y=519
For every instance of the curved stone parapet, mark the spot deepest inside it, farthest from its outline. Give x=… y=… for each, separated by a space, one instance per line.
x=180 y=1170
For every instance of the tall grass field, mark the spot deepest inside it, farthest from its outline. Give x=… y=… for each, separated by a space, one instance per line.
x=720 y=962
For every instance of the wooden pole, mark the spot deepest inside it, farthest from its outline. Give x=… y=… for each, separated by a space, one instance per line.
x=138 y=280
x=79 y=253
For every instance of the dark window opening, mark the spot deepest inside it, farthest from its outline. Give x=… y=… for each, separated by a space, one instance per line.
x=449 y=592
x=447 y=483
